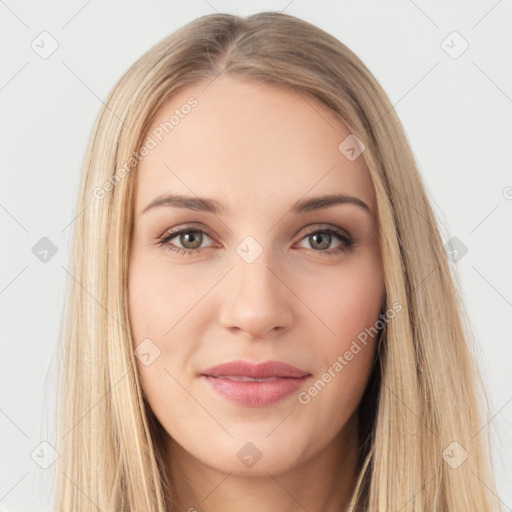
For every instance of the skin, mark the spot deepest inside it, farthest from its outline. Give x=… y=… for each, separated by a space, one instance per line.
x=257 y=149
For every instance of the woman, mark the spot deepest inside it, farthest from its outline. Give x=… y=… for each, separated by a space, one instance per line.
x=263 y=315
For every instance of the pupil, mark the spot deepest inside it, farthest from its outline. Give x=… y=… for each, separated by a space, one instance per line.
x=325 y=245
x=189 y=237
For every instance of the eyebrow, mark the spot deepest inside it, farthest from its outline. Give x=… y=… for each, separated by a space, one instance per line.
x=212 y=206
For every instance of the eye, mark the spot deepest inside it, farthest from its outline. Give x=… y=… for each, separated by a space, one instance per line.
x=321 y=238
x=191 y=240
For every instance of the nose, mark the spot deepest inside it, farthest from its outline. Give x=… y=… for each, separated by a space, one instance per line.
x=257 y=299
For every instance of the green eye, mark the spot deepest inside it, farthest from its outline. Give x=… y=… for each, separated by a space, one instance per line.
x=191 y=240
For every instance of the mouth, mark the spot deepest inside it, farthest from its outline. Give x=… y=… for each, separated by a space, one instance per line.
x=265 y=370
x=244 y=378
x=254 y=385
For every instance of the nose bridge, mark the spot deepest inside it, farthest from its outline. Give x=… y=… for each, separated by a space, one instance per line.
x=255 y=273
x=257 y=300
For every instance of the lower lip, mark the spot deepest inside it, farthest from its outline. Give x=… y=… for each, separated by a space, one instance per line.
x=255 y=394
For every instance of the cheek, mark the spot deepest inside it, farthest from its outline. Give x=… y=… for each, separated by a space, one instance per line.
x=159 y=297
x=347 y=300
x=349 y=306
x=159 y=300
x=153 y=314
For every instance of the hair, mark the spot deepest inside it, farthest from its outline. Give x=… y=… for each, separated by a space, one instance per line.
x=426 y=391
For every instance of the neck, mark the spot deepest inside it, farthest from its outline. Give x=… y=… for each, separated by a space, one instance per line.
x=322 y=483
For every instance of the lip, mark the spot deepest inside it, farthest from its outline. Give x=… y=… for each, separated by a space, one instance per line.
x=263 y=370
x=283 y=379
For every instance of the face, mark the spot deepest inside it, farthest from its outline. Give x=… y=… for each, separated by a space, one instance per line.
x=254 y=280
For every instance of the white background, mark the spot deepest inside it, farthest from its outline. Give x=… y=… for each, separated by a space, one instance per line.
x=457 y=114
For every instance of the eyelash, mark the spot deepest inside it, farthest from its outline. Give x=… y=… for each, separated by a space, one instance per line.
x=347 y=242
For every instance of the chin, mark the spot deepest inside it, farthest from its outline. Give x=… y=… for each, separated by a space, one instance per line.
x=256 y=457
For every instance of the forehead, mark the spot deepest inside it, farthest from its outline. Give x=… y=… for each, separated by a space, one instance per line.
x=248 y=143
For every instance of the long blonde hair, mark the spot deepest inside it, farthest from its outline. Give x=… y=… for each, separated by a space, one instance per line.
x=425 y=405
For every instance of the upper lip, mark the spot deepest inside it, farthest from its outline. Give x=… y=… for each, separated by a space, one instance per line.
x=258 y=371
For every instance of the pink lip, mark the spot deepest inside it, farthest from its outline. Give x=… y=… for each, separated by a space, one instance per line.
x=286 y=380
x=261 y=370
